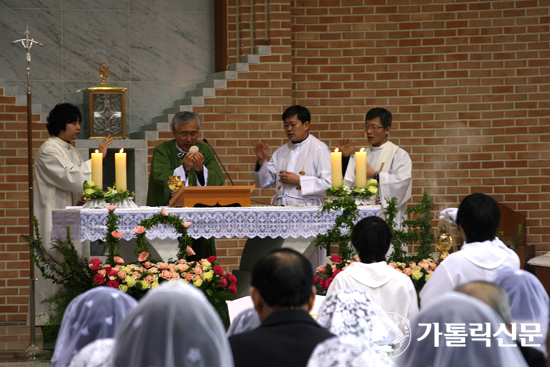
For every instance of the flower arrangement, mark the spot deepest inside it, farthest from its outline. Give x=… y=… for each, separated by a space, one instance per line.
x=342 y=190
x=324 y=275
x=136 y=279
x=419 y=272
x=91 y=191
x=370 y=189
x=112 y=195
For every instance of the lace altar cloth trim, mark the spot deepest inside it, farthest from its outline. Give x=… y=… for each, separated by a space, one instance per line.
x=260 y=221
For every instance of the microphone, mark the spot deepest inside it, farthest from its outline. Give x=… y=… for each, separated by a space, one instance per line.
x=219 y=160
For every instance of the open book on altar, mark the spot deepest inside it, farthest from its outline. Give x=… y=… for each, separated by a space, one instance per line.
x=190 y=196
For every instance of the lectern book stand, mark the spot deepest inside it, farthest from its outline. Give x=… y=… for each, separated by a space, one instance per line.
x=189 y=196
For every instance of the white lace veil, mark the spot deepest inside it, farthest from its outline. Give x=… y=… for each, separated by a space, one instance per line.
x=174 y=325
x=353 y=312
x=528 y=300
x=92 y=315
x=453 y=307
x=348 y=352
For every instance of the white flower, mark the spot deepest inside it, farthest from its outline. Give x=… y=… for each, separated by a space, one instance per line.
x=114 y=192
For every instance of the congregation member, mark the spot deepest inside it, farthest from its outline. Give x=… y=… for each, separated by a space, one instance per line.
x=175 y=158
x=283 y=294
x=394 y=291
x=496 y=298
x=529 y=302
x=432 y=344
x=59 y=175
x=300 y=169
x=482 y=255
x=90 y=317
x=174 y=325
x=391 y=164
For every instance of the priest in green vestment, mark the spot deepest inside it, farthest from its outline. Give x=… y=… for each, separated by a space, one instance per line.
x=174 y=158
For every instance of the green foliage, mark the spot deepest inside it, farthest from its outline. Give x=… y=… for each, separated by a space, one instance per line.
x=91 y=191
x=343 y=223
x=111 y=242
x=184 y=239
x=342 y=190
x=112 y=194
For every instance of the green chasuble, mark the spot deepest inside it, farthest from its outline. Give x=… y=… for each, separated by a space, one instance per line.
x=165 y=161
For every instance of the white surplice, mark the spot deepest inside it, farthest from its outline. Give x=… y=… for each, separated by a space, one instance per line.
x=393 y=182
x=391 y=289
x=59 y=173
x=475 y=261
x=311 y=157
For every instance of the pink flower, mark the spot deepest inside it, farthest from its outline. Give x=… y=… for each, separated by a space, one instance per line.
x=223 y=282
x=164 y=213
x=122 y=274
x=113 y=284
x=102 y=272
x=116 y=234
x=107 y=268
x=393 y=265
x=211 y=259
x=181 y=261
x=139 y=229
x=99 y=279
x=412 y=265
x=182 y=267
x=335 y=258
x=143 y=256
x=433 y=265
x=186 y=224
x=197 y=277
x=336 y=272
x=424 y=265
x=153 y=271
x=175 y=276
x=430 y=271
x=163 y=266
x=95 y=261
x=197 y=270
x=166 y=275
x=190 y=251
x=111 y=208
x=95 y=267
x=218 y=270
x=118 y=260
x=113 y=273
x=320 y=269
x=147 y=264
x=188 y=276
x=232 y=288
x=407 y=271
x=118 y=267
x=149 y=279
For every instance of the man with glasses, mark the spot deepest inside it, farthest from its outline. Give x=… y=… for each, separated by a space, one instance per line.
x=176 y=158
x=385 y=160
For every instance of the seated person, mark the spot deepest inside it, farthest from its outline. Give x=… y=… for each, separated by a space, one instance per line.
x=431 y=344
x=283 y=294
x=481 y=256
x=394 y=291
x=92 y=315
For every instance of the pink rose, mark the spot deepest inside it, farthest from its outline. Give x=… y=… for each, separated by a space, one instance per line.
x=113 y=284
x=407 y=271
x=99 y=279
x=118 y=267
x=218 y=270
x=116 y=234
x=122 y=274
x=136 y=274
x=166 y=275
x=232 y=288
x=197 y=270
x=412 y=265
x=320 y=269
x=147 y=264
x=164 y=213
x=181 y=261
x=424 y=266
x=149 y=279
x=190 y=251
x=139 y=229
x=153 y=271
x=197 y=277
x=102 y=272
x=433 y=265
x=175 y=276
x=111 y=208
x=186 y=224
x=223 y=282
x=162 y=266
x=430 y=271
x=335 y=258
x=393 y=265
x=118 y=260
x=181 y=267
x=188 y=276
x=143 y=256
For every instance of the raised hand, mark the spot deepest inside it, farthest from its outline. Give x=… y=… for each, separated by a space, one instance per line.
x=346 y=147
x=198 y=161
x=262 y=151
x=104 y=144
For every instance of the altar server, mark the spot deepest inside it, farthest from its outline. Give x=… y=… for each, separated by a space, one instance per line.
x=300 y=169
x=59 y=173
x=393 y=164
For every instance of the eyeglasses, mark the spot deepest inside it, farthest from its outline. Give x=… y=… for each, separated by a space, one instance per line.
x=185 y=134
x=373 y=128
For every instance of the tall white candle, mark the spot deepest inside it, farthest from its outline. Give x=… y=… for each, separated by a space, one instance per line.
x=120 y=171
x=336 y=166
x=97 y=168
x=361 y=168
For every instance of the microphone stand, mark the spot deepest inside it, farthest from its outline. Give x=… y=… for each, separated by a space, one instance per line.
x=219 y=160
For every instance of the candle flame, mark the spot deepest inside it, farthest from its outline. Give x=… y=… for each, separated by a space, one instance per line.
x=121 y=150
x=336 y=150
x=97 y=151
x=362 y=149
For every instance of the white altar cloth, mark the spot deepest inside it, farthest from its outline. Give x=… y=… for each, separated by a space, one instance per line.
x=256 y=221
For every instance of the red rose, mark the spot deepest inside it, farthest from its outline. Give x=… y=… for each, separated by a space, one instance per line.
x=323 y=283
x=329 y=280
x=107 y=268
x=95 y=261
x=335 y=258
x=95 y=267
x=99 y=279
x=231 y=277
x=223 y=282
x=218 y=270
x=211 y=259
x=113 y=273
x=315 y=279
x=112 y=284
x=232 y=288
x=335 y=272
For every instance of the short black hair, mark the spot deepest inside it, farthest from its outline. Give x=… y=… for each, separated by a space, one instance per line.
x=61 y=115
x=284 y=278
x=479 y=216
x=385 y=116
x=301 y=113
x=371 y=237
